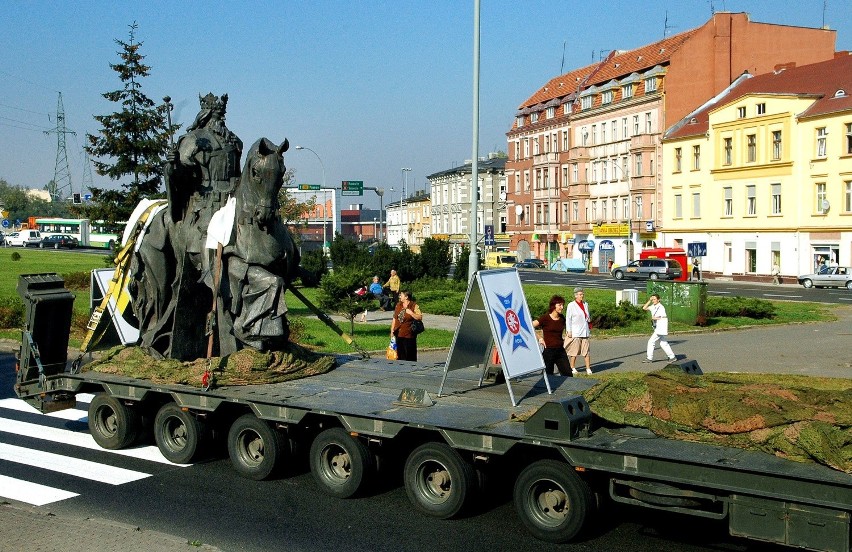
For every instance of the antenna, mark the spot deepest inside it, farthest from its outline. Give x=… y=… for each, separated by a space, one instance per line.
x=61 y=172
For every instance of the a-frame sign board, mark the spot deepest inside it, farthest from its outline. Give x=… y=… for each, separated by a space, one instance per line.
x=495 y=311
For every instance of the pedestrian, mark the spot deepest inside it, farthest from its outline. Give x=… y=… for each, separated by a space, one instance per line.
x=660 y=323
x=578 y=327
x=776 y=274
x=552 y=327
x=393 y=285
x=406 y=341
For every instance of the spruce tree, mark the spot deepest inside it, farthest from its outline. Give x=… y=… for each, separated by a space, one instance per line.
x=132 y=142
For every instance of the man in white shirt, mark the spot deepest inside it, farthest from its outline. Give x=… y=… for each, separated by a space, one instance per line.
x=660 y=322
x=577 y=330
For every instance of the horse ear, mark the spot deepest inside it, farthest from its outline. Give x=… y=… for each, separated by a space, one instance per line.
x=285 y=145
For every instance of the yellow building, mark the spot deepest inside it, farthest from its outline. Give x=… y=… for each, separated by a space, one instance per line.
x=762 y=173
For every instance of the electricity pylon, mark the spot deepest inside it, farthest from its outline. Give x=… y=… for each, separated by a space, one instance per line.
x=60 y=188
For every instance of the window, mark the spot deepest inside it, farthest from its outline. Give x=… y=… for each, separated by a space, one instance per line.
x=624 y=135
x=603 y=170
x=575 y=211
x=565 y=181
x=776 y=198
x=637 y=159
x=729 y=202
x=696 y=205
x=625 y=207
x=625 y=170
x=566 y=108
x=546 y=185
x=639 y=208
x=565 y=142
x=761 y=108
x=584 y=136
x=751 y=199
x=606 y=97
x=696 y=158
x=603 y=133
x=526 y=147
x=536 y=146
x=650 y=84
x=627 y=91
x=752 y=147
x=594 y=171
x=776 y=145
x=848 y=138
x=635 y=125
x=821 y=199
x=586 y=102
x=678 y=206
x=741 y=112
x=534 y=117
x=615 y=214
x=847 y=197
x=614 y=126
x=575 y=169
x=555 y=142
x=729 y=151
x=527 y=183
x=603 y=210
x=520 y=120
x=615 y=168
x=594 y=134
x=648 y=123
x=678 y=160
x=551 y=112
x=517 y=150
x=822 y=133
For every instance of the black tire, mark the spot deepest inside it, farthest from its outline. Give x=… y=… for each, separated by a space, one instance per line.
x=40 y=246
x=255 y=448
x=342 y=465
x=619 y=275
x=438 y=481
x=113 y=425
x=849 y=284
x=654 y=276
x=808 y=283
x=180 y=436
x=552 y=501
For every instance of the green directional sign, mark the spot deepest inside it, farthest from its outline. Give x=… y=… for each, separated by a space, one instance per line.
x=352 y=188
x=309 y=186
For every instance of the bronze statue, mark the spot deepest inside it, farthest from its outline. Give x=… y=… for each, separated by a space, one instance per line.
x=176 y=273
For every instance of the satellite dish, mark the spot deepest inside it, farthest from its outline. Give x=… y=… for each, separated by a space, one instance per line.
x=825 y=205
x=519 y=210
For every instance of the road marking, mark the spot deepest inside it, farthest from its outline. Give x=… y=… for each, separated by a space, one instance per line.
x=715 y=292
x=70 y=466
x=79 y=439
x=782 y=296
x=71 y=414
x=31 y=493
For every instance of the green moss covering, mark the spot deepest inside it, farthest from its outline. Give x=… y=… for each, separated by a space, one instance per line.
x=245 y=367
x=803 y=418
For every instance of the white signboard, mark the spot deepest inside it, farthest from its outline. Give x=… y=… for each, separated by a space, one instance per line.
x=128 y=334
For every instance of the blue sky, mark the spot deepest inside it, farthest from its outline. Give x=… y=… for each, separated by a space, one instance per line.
x=370 y=86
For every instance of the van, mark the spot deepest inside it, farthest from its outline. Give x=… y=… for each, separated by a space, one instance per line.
x=25 y=238
x=672 y=253
x=500 y=260
x=649 y=269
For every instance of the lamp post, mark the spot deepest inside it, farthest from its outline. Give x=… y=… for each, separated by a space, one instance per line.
x=324 y=199
x=375 y=234
x=405 y=171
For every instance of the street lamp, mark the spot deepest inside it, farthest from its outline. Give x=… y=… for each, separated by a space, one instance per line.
x=629 y=214
x=324 y=199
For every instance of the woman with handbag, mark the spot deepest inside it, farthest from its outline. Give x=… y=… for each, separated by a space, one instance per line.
x=404 y=314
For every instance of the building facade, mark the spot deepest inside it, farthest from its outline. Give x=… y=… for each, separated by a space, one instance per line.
x=585 y=150
x=773 y=183
x=451 y=203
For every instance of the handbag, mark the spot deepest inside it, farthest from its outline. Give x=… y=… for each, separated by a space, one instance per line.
x=417 y=327
x=391 y=353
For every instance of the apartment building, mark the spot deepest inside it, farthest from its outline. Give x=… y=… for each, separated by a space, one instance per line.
x=583 y=174
x=763 y=173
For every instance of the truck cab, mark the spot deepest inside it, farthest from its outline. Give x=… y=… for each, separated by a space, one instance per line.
x=500 y=259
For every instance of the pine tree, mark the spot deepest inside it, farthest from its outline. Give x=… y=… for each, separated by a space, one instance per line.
x=132 y=142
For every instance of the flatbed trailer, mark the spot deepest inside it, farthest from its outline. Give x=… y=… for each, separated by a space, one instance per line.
x=453 y=433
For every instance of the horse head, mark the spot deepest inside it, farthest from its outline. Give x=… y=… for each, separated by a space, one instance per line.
x=262 y=178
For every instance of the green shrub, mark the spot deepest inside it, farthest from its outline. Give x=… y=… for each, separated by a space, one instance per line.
x=606 y=316
x=77 y=280
x=15 y=256
x=314 y=266
x=435 y=258
x=11 y=312
x=748 y=307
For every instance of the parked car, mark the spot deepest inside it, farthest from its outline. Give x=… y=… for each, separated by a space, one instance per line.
x=537 y=262
x=835 y=276
x=527 y=264
x=2 y=238
x=648 y=269
x=25 y=238
x=59 y=240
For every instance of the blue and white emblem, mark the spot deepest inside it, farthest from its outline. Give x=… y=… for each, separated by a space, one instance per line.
x=510 y=318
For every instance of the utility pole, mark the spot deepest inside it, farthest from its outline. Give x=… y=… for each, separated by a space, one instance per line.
x=61 y=173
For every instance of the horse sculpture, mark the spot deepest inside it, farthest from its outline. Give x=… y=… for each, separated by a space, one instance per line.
x=247 y=274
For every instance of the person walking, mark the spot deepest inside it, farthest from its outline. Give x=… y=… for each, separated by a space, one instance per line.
x=393 y=284
x=578 y=329
x=552 y=327
x=660 y=323
x=776 y=274
x=406 y=341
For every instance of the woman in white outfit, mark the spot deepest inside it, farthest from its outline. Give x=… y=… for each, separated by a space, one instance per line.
x=660 y=322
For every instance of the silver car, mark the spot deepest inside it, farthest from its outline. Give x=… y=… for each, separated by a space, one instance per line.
x=835 y=276
x=648 y=269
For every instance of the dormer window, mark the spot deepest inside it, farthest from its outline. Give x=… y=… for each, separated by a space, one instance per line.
x=534 y=117
x=627 y=91
x=520 y=120
x=586 y=102
x=650 y=84
x=551 y=112
x=606 y=97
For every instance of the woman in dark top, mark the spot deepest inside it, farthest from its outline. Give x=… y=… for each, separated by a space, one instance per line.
x=552 y=327
x=406 y=310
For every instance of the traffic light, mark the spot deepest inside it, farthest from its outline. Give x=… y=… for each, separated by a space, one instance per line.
x=76 y=199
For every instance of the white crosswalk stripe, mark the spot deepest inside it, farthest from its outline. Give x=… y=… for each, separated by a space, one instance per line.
x=36 y=494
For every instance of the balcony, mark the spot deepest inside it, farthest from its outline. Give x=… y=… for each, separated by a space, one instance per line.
x=546 y=193
x=578 y=190
x=546 y=158
x=643 y=183
x=643 y=141
x=578 y=153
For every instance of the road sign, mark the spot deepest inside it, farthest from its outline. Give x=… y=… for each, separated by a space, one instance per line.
x=309 y=186
x=352 y=188
x=696 y=249
x=5 y=223
x=489 y=235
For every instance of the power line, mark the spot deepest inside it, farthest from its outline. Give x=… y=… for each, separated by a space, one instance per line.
x=24 y=110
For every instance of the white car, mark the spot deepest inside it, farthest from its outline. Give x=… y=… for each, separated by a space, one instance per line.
x=835 y=276
x=24 y=238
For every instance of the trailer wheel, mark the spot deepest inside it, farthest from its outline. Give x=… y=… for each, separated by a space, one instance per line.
x=179 y=435
x=341 y=464
x=112 y=424
x=438 y=481
x=255 y=448
x=552 y=501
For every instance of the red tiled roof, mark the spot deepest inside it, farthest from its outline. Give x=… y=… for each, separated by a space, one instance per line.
x=619 y=65
x=820 y=80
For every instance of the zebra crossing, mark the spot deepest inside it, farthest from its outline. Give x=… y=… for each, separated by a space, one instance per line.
x=37 y=449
